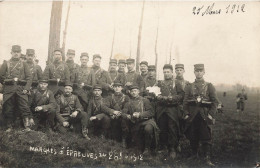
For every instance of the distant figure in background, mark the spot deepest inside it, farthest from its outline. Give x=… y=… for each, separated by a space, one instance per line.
x=224 y=94
x=241 y=97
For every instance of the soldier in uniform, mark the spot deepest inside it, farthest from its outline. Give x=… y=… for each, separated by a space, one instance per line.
x=99 y=113
x=131 y=77
x=73 y=67
x=23 y=57
x=151 y=77
x=16 y=79
x=80 y=86
x=121 y=66
x=144 y=69
x=112 y=69
x=43 y=106
x=116 y=102
x=241 y=98
x=168 y=112
x=100 y=76
x=57 y=73
x=138 y=115
x=35 y=70
x=70 y=112
x=199 y=106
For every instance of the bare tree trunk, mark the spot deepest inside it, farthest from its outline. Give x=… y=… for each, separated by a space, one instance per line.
x=171 y=53
x=55 y=25
x=155 y=47
x=112 y=48
x=139 y=40
x=65 y=33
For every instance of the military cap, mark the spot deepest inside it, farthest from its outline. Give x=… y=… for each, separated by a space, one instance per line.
x=113 y=61
x=70 y=51
x=84 y=54
x=16 y=48
x=179 y=66
x=199 y=67
x=133 y=87
x=97 y=87
x=130 y=60
x=121 y=61
x=43 y=81
x=68 y=84
x=30 y=52
x=151 y=68
x=96 y=56
x=144 y=62
x=117 y=84
x=167 y=66
x=58 y=49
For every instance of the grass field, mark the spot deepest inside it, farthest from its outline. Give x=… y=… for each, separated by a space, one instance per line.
x=236 y=143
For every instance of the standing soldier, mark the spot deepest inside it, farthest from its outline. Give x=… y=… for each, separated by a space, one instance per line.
x=35 y=69
x=112 y=69
x=73 y=67
x=116 y=102
x=43 y=106
x=138 y=114
x=168 y=112
x=80 y=84
x=57 y=73
x=199 y=105
x=16 y=79
x=99 y=76
x=241 y=98
x=121 y=66
x=131 y=77
x=70 y=112
x=98 y=113
x=144 y=69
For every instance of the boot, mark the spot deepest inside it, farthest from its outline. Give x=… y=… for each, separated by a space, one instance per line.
x=208 y=161
x=26 y=123
x=124 y=143
x=85 y=132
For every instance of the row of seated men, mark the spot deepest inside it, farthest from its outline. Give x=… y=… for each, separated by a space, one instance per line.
x=139 y=117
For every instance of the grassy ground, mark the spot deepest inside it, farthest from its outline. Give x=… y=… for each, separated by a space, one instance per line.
x=236 y=143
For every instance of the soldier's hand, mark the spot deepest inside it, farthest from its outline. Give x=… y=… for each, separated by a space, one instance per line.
x=93 y=118
x=136 y=114
x=38 y=108
x=25 y=91
x=65 y=124
x=186 y=117
x=74 y=114
x=117 y=113
x=128 y=116
x=31 y=121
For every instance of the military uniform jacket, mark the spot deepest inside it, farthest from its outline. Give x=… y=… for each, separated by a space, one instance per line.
x=73 y=68
x=133 y=77
x=170 y=88
x=15 y=69
x=207 y=92
x=241 y=97
x=116 y=102
x=96 y=106
x=99 y=76
x=182 y=82
x=43 y=98
x=82 y=75
x=113 y=75
x=57 y=70
x=66 y=106
x=36 y=72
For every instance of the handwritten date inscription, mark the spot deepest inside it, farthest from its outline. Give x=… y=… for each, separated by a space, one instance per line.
x=212 y=10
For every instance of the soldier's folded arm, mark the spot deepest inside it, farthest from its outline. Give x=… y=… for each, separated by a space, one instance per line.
x=213 y=99
x=148 y=110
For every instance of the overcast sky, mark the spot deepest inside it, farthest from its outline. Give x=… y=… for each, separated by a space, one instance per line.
x=228 y=44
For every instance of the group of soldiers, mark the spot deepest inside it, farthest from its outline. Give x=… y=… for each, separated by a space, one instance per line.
x=113 y=104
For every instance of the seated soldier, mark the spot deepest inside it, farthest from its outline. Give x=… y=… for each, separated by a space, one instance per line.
x=138 y=116
x=70 y=111
x=98 y=113
x=116 y=102
x=43 y=106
